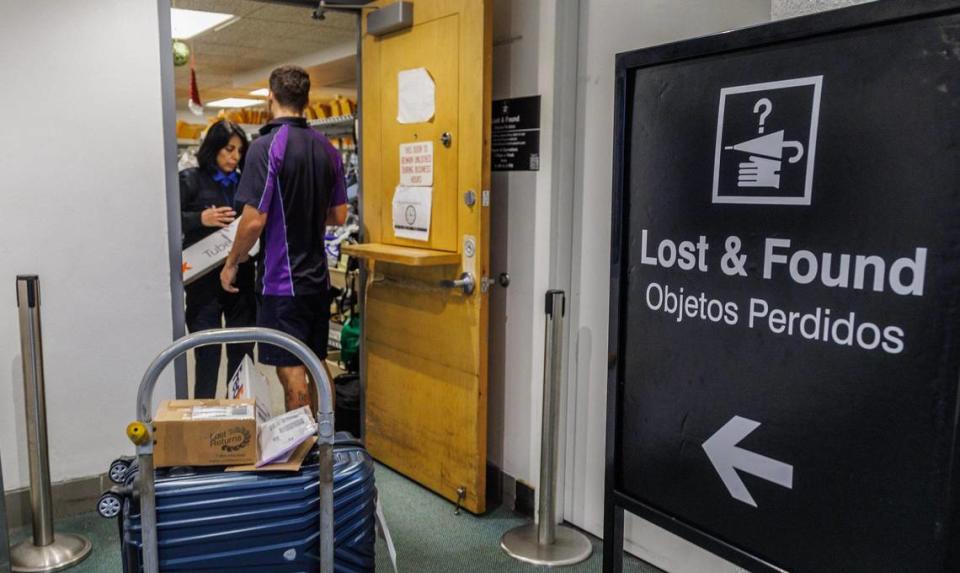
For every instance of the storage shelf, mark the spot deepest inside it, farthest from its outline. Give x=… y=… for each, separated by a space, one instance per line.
x=336 y=121
x=334 y=126
x=330 y=126
x=409 y=256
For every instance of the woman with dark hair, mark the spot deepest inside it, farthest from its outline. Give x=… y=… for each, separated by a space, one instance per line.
x=208 y=203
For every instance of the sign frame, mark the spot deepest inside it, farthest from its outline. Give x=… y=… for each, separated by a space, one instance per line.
x=616 y=500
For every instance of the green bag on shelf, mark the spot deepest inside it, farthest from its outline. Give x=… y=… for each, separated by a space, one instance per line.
x=350 y=343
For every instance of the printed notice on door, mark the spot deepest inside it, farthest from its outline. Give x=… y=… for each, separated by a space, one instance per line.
x=416 y=164
x=411 y=212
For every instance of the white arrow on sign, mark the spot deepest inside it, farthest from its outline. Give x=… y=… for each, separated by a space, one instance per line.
x=727 y=458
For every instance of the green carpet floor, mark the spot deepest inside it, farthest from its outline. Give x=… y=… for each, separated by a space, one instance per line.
x=429 y=538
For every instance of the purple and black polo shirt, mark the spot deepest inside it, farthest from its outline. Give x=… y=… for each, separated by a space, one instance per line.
x=294 y=175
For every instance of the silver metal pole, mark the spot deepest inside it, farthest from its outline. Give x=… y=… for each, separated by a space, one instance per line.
x=4 y=533
x=46 y=552
x=34 y=392
x=547 y=543
x=551 y=415
x=140 y=431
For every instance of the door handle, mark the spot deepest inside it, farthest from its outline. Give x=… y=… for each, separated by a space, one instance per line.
x=466 y=282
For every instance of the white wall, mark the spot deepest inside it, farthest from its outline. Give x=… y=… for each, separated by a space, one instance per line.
x=83 y=199
x=535 y=53
x=606 y=28
x=520 y=245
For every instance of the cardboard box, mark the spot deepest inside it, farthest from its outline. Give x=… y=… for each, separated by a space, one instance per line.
x=205 y=433
x=209 y=253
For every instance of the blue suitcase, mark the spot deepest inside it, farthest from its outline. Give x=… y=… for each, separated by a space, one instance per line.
x=210 y=521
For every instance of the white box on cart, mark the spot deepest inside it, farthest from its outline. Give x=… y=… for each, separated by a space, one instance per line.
x=248 y=382
x=209 y=253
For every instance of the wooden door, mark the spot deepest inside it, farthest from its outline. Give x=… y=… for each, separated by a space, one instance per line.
x=426 y=344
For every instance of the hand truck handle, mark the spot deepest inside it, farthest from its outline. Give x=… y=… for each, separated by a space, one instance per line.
x=325 y=431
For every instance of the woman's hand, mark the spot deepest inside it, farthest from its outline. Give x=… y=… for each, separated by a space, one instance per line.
x=217 y=216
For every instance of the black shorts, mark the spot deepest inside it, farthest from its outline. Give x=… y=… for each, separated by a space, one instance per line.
x=305 y=317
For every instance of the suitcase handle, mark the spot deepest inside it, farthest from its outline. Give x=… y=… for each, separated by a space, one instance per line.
x=143 y=439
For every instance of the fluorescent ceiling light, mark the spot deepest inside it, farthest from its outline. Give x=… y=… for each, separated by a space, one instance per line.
x=262 y=92
x=234 y=102
x=186 y=24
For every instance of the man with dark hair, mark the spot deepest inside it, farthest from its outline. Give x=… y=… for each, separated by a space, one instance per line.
x=291 y=188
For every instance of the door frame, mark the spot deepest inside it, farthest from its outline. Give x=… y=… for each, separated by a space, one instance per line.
x=168 y=97
x=564 y=230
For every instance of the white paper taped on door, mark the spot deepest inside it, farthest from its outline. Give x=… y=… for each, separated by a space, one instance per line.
x=416 y=164
x=416 y=96
x=411 y=212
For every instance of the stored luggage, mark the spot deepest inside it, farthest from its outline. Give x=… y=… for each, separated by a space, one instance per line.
x=257 y=522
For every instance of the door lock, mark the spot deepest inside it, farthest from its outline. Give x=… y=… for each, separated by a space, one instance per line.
x=466 y=282
x=487 y=282
x=446 y=139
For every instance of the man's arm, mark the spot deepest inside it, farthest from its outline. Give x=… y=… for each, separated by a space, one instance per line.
x=337 y=215
x=250 y=228
x=337 y=209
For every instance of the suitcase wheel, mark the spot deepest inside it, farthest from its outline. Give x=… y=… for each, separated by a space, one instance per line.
x=118 y=470
x=109 y=505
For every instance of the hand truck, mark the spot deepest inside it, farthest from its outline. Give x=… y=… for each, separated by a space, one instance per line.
x=140 y=432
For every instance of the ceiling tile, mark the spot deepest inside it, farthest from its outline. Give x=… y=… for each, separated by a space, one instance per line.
x=235 y=7
x=294 y=15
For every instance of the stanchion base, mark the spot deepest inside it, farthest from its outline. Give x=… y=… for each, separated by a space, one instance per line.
x=570 y=546
x=66 y=551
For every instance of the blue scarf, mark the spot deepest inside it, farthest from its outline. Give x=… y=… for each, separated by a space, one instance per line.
x=226 y=179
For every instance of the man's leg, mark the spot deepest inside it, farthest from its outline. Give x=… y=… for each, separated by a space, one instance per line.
x=296 y=388
x=282 y=313
x=306 y=319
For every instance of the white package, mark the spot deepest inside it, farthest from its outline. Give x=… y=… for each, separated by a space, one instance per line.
x=209 y=253
x=279 y=436
x=248 y=382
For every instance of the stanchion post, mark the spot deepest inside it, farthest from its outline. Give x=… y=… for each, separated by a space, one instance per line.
x=547 y=543
x=46 y=551
x=552 y=355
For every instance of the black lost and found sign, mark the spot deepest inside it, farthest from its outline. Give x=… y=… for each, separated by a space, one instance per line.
x=515 y=144
x=786 y=292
